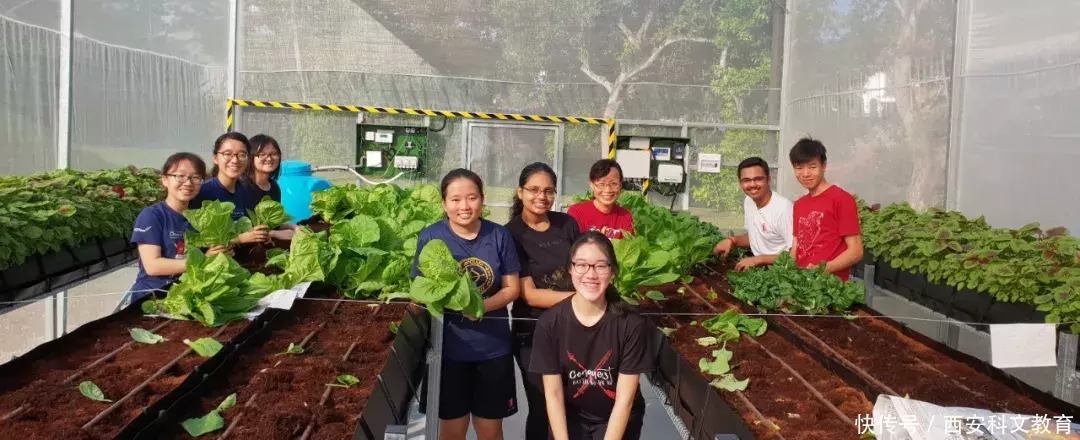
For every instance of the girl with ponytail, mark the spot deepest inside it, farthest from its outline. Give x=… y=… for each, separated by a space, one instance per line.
x=591 y=351
x=543 y=238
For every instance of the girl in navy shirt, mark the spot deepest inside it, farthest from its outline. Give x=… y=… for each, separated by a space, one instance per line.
x=260 y=180
x=230 y=162
x=478 y=366
x=159 y=228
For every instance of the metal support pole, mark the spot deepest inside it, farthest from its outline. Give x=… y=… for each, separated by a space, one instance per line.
x=686 y=168
x=434 y=376
x=63 y=123
x=60 y=304
x=1066 y=380
x=785 y=81
x=50 y=317
x=956 y=107
x=868 y=284
x=230 y=87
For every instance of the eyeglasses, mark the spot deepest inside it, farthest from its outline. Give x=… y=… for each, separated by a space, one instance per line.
x=230 y=156
x=268 y=156
x=180 y=178
x=537 y=191
x=582 y=268
x=612 y=185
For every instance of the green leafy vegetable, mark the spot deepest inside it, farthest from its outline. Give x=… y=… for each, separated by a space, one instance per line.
x=345 y=381
x=205 y=347
x=214 y=224
x=92 y=392
x=211 y=422
x=786 y=287
x=145 y=336
x=294 y=349
x=268 y=213
x=443 y=285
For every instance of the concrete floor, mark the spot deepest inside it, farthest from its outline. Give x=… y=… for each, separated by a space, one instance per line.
x=30 y=325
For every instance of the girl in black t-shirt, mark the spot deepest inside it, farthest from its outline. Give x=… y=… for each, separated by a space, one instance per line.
x=591 y=351
x=543 y=238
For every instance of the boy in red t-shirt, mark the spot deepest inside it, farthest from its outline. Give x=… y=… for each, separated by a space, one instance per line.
x=826 y=218
x=603 y=212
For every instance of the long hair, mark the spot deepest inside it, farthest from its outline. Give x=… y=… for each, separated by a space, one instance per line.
x=615 y=303
x=258 y=143
x=234 y=135
x=526 y=174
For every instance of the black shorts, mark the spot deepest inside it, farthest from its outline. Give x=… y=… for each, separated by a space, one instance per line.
x=485 y=389
x=580 y=429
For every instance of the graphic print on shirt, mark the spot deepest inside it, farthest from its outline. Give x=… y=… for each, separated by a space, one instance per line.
x=480 y=272
x=599 y=376
x=557 y=280
x=611 y=233
x=181 y=246
x=809 y=230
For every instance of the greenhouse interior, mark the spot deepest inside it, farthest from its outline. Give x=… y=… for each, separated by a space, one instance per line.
x=323 y=312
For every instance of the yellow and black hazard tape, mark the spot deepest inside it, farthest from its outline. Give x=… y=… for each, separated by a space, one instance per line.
x=416 y=112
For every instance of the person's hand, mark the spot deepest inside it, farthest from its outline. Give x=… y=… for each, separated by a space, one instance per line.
x=723 y=248
x=747 y=263
x=470 y=317
x=214 y=250
x=258 y=234
x=283 y=234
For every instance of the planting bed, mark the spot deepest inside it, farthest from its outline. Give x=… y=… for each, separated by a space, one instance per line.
x=790 y=395
x=879 y=357
x=39 y=395
x=285 y=396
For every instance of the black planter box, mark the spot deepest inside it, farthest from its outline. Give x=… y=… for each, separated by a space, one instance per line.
x=885 y=275
x=58 y=262
x=22 y=275
x=151 y=414
x=940 y=292
x=1013 y=313
x=114 y=246
x=88 y=253
x=398 y=383
x=700 y=406
x=973 y=303
x=913 y=284
x=860 y=268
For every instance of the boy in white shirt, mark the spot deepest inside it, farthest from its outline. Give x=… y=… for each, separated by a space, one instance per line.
x=767 y=218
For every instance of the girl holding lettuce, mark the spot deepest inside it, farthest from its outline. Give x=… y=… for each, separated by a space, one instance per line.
x=230 y=163
x=160 y=228
x=260 y=179
x=478 y=365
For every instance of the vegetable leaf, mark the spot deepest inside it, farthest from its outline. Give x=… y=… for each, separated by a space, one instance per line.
x=145 y=336
x=205 y=347
x=92 y=392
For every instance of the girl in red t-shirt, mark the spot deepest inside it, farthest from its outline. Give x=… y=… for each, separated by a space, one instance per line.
x=603 y=212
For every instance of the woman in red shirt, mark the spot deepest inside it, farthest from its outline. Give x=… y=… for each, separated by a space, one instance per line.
x=603 y=213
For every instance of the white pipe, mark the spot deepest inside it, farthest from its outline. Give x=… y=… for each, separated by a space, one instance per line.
x=63 y=123
x=358 y=175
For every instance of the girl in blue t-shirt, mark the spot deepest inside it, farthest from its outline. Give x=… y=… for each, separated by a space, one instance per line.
x=260 y=179
x=478 y=364
x=230 y=162
x=159 y=228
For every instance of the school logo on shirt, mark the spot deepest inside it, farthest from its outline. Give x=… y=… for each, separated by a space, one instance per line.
x=599 y=376
x=480 y=272
x=181 y=249
x=612 y=233
x=808 y=232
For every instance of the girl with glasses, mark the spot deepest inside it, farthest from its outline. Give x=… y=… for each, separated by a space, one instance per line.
x=160 y=228
x=478 y=365
x=603 y=212
x=591 y=351
x=543 y=238
x=260 y=179
x=230 y=164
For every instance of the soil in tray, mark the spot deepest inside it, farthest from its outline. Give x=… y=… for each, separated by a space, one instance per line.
x=290 y=386
x=57 y=410
x=775 y=392
x=908 y=366
x=252 y=257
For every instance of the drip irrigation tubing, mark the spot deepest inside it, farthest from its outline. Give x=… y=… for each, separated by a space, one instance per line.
x=146 y=382
x=817 y=394
x=82 y=371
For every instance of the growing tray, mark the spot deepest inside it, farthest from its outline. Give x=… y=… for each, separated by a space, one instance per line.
x=40 y=394
x=44 y=273
x=399 y=372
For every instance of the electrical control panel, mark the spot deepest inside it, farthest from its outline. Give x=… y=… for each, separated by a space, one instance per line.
x=654 y=164
x=387 y=150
